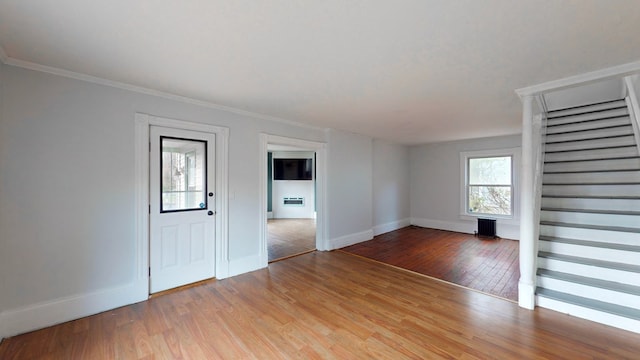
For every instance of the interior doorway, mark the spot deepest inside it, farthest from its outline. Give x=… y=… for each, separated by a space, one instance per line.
x=291 y=205
x=293 y=200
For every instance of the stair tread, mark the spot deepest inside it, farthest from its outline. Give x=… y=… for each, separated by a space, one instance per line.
x=584 y=280
x=593 y=227
x=593 y=138
x=591 y=211
x=630 y=182
x=590 y=122
x=614 y=309
x=621 y=197
x=591 y=262
x=589 y=111
x=596 y=159
x=591 y=243
x=591 y=149
x=589 y=171
x=612 y=103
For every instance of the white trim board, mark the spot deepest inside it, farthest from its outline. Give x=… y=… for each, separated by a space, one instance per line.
x=350 y=239
x=321 y=188
x=390 y=226
x=582 y=79
x=503 y=230
x=143 y=90
x=57 y=311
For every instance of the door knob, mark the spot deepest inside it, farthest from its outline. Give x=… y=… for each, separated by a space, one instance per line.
x=211 y=212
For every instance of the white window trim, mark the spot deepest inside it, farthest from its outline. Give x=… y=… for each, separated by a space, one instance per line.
x=514 y=218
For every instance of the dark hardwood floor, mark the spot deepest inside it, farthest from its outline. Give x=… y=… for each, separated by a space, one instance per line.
x=290 y=237
x=484 y=264
x=325 y=305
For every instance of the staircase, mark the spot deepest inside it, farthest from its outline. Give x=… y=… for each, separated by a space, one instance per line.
x=589 y=243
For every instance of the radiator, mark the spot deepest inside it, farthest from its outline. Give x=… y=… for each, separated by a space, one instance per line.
x=487 y=227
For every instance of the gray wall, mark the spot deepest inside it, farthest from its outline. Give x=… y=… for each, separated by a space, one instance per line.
x=67 y=183
x=390 y=186
x=349 y=188
x=435 y=184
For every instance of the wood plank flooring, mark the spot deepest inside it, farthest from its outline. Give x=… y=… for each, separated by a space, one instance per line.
x=290 y=237
x=483 y=264
x=325 y=305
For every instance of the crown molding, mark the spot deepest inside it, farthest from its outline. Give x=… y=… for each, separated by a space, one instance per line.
x=3 y=55
x=146 y=91
x=582 y=79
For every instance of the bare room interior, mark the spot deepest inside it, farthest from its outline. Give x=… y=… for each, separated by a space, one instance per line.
x=262 y=179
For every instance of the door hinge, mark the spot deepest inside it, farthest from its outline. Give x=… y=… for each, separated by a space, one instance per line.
x=149 y=146
x=149 y=271
x=149 y=208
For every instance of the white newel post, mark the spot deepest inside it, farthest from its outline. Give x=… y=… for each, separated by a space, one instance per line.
x=526 y=285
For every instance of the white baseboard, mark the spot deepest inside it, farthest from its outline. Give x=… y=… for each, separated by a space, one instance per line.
x=246 y=264
x=269 y=214
x=41 y=315
x=350 y=239
x=506 y=231
x=390 y=226
x=462 y=226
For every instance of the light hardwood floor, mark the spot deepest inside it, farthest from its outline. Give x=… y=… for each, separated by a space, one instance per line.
x=325 y=305
x=290 y=237
x=484 y=264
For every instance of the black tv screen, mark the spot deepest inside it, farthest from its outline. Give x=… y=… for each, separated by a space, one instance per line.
x=293 y=169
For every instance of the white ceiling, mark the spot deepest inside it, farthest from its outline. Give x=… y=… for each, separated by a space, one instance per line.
x=406 y=71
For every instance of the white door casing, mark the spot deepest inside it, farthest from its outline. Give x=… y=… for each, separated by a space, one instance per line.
x=182 y=236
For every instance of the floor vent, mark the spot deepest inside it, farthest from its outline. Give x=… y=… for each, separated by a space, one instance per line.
x=487 y=227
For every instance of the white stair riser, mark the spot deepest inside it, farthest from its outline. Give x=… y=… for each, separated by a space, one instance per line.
x=591 y=292
x=613 y=255
x=595 y=204
x=632 y=221
x=590 y=314
x=595 y=272
x=592 y=190
x=589 y=108
x=614 y=237
x=592 y=154
x=595 y=177
x=590 y=134
x=588 y=125
x=588 y=116
x=623 y=137
x=596 y=165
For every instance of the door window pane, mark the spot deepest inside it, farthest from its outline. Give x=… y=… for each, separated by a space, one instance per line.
x=184 y=169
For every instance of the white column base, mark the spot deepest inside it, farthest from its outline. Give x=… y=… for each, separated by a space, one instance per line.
x=526 y=295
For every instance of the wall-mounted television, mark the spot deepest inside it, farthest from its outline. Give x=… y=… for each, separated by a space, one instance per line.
x=292 y=169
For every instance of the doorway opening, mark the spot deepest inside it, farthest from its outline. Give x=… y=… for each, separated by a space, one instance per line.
x=291 y=204
x=293 y=201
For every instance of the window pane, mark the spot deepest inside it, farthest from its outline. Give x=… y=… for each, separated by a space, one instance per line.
x=490 y=171
x=495 y=200
x=183 y=181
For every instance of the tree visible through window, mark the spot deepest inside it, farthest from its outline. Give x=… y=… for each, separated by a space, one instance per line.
x=489 y=185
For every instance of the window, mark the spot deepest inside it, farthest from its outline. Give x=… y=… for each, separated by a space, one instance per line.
x=183 y=180
x=488 y=183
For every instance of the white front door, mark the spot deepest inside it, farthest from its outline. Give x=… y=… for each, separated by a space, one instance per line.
x=182 y=207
